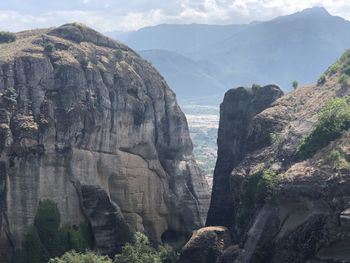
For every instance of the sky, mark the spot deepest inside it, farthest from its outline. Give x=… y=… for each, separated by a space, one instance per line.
x=126 y=15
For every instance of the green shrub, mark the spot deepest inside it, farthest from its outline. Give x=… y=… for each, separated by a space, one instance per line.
x=346 y=69
x=141 y=251
x=257 y=189
x=33 y=251
x=49 y=47
x=345 y=58
x=334 y=68
x=7 y=37
x=295 y=84
x=266 y=186
x=335 y=156
x=333 y=118
x=343 y=80
x=256 y=86
x=47 y=222
x=167 y=254
x=46 y=239
x=322 y=79
x=76 y=238
x=337 y=160
x=75 y=257
x=119 y=54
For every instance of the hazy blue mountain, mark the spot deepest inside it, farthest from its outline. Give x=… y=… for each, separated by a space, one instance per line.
x=181 y=39
x=299 y=46
x=294 y=47
x=189 y=80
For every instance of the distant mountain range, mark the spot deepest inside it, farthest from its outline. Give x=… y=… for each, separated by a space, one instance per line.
x=201 y=61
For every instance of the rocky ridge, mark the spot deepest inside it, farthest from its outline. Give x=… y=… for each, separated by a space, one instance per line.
x=305 y=216
x=87 y=123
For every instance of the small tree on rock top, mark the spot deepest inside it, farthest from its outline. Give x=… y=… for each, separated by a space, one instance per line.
x=295 y=84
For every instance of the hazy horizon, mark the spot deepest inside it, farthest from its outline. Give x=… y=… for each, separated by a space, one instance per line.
x=108 y=15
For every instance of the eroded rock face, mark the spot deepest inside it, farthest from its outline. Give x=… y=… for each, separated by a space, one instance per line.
x=306 y=217
x=235 y=138
x=206 y=245
x=106 y=220
x=92 y=116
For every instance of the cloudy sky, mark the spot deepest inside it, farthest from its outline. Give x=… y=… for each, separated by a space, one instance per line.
x=123 y=15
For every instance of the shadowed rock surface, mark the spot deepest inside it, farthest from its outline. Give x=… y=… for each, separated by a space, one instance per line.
x=85 y=122
x=206 y=245
x=106 y=220
x=305 y=218
x=235 y=139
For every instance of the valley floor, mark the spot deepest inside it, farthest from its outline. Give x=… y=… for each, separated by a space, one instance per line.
x=203 y=123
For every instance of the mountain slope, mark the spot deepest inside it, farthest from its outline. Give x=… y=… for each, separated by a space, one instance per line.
x=181 y=39
x=294 y=47
x=192 y=83
x=299 y=46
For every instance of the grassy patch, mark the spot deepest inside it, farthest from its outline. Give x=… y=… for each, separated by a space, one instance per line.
x=333 y=118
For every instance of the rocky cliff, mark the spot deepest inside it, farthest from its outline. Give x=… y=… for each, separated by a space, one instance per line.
x=281 y=182
x=87 y=123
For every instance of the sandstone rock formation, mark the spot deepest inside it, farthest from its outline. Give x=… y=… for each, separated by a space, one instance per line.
x=87 y=123
x=306 y=217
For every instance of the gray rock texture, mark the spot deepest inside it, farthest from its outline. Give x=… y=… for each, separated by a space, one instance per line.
x=95 y=128
x=307 y=217
x=235 y=138
x=206 y=245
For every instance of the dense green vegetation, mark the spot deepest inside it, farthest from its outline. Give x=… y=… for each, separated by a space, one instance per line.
x=47 y=222
x=76 y=257
x=45 y=239
x=7 y=37
x=33 y=251
x=76 y=237
x=140 y=251
x=333 y=118
x=257 y=189
x=70 y=244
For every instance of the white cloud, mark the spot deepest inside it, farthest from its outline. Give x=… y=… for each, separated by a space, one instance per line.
x=109 y=15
